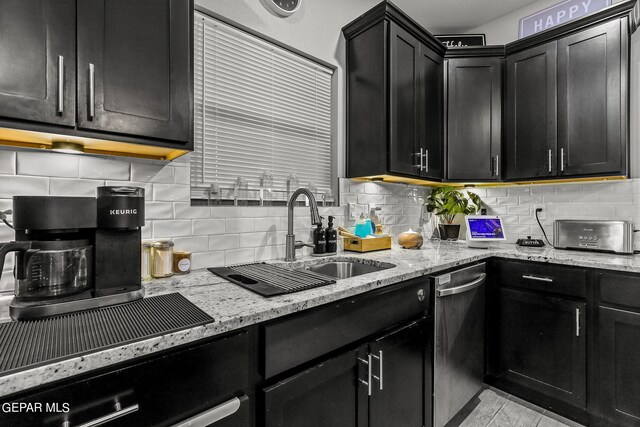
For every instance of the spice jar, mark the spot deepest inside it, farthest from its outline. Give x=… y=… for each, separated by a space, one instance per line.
x=162 y=258
x=181 y=262
x=145 y=262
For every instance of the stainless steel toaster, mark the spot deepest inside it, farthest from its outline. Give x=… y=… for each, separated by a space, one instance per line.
x=605 y=236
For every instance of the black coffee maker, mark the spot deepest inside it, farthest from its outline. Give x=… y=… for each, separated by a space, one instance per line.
x=75 y=253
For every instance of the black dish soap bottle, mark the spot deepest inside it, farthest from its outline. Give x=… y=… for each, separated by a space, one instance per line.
x=331 y=236
x=319 y=240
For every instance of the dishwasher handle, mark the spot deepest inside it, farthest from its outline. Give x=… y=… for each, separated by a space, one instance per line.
x=462 y=288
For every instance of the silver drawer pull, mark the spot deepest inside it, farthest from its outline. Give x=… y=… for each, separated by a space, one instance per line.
x=462 y=288
x=367 y=383
x=92 y=91
x=214 y=414
x=419 y=155
x=60 y=84
x=577 y=322
x=538 y=279
x=112 y=416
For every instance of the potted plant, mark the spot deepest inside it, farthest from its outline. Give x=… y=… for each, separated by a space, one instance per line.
x=446 y=203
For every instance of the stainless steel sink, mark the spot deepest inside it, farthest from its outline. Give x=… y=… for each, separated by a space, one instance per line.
x=346 y=269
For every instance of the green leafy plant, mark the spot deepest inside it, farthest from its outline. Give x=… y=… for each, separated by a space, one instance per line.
x=447 y=202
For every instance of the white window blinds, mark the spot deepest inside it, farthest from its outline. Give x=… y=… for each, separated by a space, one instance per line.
x=258 y=108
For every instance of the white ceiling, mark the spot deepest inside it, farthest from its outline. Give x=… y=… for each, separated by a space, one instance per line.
x=457 y=16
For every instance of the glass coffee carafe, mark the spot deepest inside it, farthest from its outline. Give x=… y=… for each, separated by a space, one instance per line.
x=50 y=269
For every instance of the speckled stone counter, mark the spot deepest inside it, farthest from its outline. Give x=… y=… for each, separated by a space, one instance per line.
x=234 y=307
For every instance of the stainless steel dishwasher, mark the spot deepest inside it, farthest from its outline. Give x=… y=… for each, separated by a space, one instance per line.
x=459 y=340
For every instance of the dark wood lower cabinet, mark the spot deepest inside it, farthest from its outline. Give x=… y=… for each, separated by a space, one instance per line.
x=618 y=352
x=543 y=344
x=328 y=394
x=397 y=397
x=386 y=382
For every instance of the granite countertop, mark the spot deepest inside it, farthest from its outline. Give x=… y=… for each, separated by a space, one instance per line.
x=234 y=307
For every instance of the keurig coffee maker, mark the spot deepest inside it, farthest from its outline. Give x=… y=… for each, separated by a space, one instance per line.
x=75 y=253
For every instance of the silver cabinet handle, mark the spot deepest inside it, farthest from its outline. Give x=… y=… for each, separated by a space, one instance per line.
x=214 y=414
x=562 y=160
x=426 y=160
x=462 y=288
x=369 y=375
x=497 y=165
x=420 y=156
x=577 y=322
x=92 y=91
x=381 y=365
x=550 y=165
x=120 y=412
x=539 y=279
x=60 y=84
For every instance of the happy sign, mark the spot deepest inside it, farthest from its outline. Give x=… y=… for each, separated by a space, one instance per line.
x=559 y=14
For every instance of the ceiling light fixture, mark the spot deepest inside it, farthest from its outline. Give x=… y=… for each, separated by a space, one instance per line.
x=67 y=147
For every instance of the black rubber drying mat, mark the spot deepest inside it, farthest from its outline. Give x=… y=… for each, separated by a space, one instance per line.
x=270 y=280
x=30 y=343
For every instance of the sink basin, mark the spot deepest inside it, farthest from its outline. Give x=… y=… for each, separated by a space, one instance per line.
x=346 y=269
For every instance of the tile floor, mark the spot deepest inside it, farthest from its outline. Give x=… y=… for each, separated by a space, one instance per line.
x=493 y=408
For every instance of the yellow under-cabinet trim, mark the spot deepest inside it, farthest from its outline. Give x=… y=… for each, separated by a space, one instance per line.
x=424 y=183
x=41 y=140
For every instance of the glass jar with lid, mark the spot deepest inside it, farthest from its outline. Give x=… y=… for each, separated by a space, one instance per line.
x=162 y=258
x=145 y=262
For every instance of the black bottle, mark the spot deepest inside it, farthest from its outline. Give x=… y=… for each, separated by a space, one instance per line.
x=331 y=236
x=319 y=239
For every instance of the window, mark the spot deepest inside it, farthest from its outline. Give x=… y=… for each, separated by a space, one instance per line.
x=263 y=119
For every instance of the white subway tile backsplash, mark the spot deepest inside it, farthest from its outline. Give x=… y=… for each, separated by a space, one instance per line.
x=240 y=225
x=7 y=162
x=185 y=210
x=240 y=256
x=98 y=168
x=267 y=224
x=223 y=242
x=171 y=193
x=191 y=243
x=14 y=185
x=182 y=175
x=171 y=228
x=74 y=187
x=208 y=226
x=207 y=259
x=158 y=210
x=47 y=164
x=156 y=173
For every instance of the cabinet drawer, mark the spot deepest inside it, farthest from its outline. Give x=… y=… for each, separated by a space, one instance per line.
x=543 y=278
x=158 y=392
x=621 y=289
x=303 y=337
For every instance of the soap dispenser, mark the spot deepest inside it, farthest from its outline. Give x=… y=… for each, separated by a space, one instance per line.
x=319 y=239
x=331 y=236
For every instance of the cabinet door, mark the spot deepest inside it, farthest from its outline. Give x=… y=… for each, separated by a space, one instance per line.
x=591 y=101
x=328 y=394
x=543 y=344
x=38 y=57
x=531 y=139
x=404 y=83
x=398 y=362
x=618 y=347
x=135 y=67
x=431 y=108
x=474 y=119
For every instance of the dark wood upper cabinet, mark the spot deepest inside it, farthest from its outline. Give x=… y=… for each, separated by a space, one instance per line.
x=592 y=100
x=474 y=119
x=395 y=97
x=530 y=145
x=431 y=112
x=404 y=94
x=38 y=51
x=134 y=71
x=543 y=344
